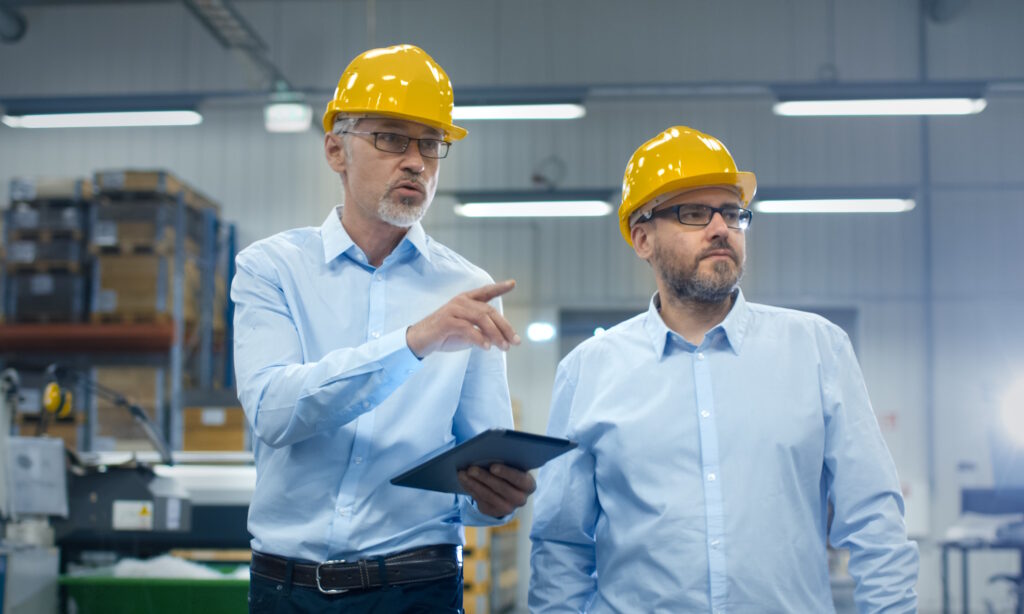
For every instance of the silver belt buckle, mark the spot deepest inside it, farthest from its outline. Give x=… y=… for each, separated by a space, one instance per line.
x=320 y=587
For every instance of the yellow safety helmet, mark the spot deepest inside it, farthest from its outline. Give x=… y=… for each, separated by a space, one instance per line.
x=677 y=159
x=400 y=81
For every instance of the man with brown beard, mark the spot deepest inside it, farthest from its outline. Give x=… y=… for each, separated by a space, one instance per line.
x=713 y=433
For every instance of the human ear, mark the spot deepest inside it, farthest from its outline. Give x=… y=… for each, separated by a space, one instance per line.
x=334 y=151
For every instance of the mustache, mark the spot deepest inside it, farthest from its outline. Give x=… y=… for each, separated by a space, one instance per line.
x=720 y=245
x=409 y=178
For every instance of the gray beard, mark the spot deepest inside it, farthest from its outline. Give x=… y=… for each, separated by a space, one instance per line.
x=402 y=214
x=686 y=284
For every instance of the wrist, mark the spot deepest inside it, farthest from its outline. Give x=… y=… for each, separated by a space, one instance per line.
x=412 y=340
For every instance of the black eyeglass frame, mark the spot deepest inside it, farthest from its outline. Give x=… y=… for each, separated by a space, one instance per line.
x=743 y=216
x=442 y=145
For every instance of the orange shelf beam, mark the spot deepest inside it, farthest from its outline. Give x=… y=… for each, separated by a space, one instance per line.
x=89 y=338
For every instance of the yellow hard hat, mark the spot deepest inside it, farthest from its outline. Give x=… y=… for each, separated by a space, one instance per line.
x=677 y=159
x=400 y=81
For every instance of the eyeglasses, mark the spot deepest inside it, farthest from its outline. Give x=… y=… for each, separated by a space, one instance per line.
x=701 y=215
x=398 y=143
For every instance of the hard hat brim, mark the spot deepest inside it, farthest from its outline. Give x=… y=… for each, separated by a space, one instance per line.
x=745 y=181
x=451 y=131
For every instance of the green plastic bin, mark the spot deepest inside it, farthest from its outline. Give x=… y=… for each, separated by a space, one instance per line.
x=109 y=595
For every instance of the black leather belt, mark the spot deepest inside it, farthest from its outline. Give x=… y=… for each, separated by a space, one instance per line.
x=331 y=577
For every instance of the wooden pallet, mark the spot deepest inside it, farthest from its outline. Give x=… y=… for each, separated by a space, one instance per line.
x=118 y=317
x=121 y=185
x=44 y=318
x=45 y=266
x=45 y=235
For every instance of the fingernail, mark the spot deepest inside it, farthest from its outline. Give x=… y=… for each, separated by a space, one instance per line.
x=517 y=340
x=504 y=345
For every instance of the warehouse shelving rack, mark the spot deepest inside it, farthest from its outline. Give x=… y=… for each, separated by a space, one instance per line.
x=169 y=345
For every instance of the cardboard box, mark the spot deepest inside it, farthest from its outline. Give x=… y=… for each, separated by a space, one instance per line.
x=214 y=429
x=140 y=287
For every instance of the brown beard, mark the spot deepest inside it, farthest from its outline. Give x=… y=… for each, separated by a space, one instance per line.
x=686 y=283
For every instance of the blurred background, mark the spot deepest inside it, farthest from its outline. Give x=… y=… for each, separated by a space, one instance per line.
x=118 y=241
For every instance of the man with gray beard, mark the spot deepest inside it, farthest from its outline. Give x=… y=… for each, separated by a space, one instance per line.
x=361 y=346
x=713 y=433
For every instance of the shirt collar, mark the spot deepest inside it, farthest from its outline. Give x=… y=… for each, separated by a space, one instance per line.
x=337 y=241
x=733 y=327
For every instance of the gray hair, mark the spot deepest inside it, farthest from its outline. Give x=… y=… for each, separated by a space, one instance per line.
x=343 y=124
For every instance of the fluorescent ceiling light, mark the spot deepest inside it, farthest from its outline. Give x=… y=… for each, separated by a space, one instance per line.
x=538 y=208
x=104 y=120
x=881 y=106
x=539 y=332
x=287 y=117
x=519 y=111
x=835 y=205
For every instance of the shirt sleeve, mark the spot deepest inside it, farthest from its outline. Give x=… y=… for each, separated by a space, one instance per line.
x=484 y=403
x=865 y=490
x=287 y=400
x=565 y=511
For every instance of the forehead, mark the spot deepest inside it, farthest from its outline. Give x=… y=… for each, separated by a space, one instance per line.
x=715 y=196
x=400 y=126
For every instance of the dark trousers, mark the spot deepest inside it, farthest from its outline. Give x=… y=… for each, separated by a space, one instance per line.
x=267 y=596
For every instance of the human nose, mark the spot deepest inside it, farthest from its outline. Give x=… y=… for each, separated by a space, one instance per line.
x=717 y=225
x=412 y=159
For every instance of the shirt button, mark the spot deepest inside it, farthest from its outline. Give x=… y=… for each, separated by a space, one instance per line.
x=378 y=277
x=714 y=544
x=705 y=413
x=358 y=460
x=712 y=477
x=700 y=355
x=375 y=335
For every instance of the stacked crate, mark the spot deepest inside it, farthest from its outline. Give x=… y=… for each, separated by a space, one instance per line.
x=489 y=572
x=138 y=251
x=46 y=265
x=147 y=226
x=214 y=429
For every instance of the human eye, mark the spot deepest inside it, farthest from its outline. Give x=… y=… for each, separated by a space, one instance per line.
x=731 y=214
x=693 y=214
x=390 y=138
x=430 y=145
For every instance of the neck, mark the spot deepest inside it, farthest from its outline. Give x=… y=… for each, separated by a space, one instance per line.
x=692 y=319
x=374 y=236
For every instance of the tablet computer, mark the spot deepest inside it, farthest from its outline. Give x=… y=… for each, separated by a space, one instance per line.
x=523 y=451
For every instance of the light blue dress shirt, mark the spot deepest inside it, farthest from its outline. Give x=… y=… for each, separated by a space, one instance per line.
x=702 y=475
x=338 y=403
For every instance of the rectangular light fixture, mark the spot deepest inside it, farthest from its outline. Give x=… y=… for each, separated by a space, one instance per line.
x=540 y=208
x=117 y=119
x=519 y=111
x=287 y=117
x=546 y=203
x=880 y=106
x=835 y=205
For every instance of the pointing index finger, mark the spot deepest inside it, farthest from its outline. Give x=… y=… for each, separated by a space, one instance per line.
x=491 y=291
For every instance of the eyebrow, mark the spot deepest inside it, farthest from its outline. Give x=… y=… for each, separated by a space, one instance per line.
x=730 y=204
x=393 y=125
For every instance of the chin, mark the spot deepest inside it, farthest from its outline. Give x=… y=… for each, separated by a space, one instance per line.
x=401 y=215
